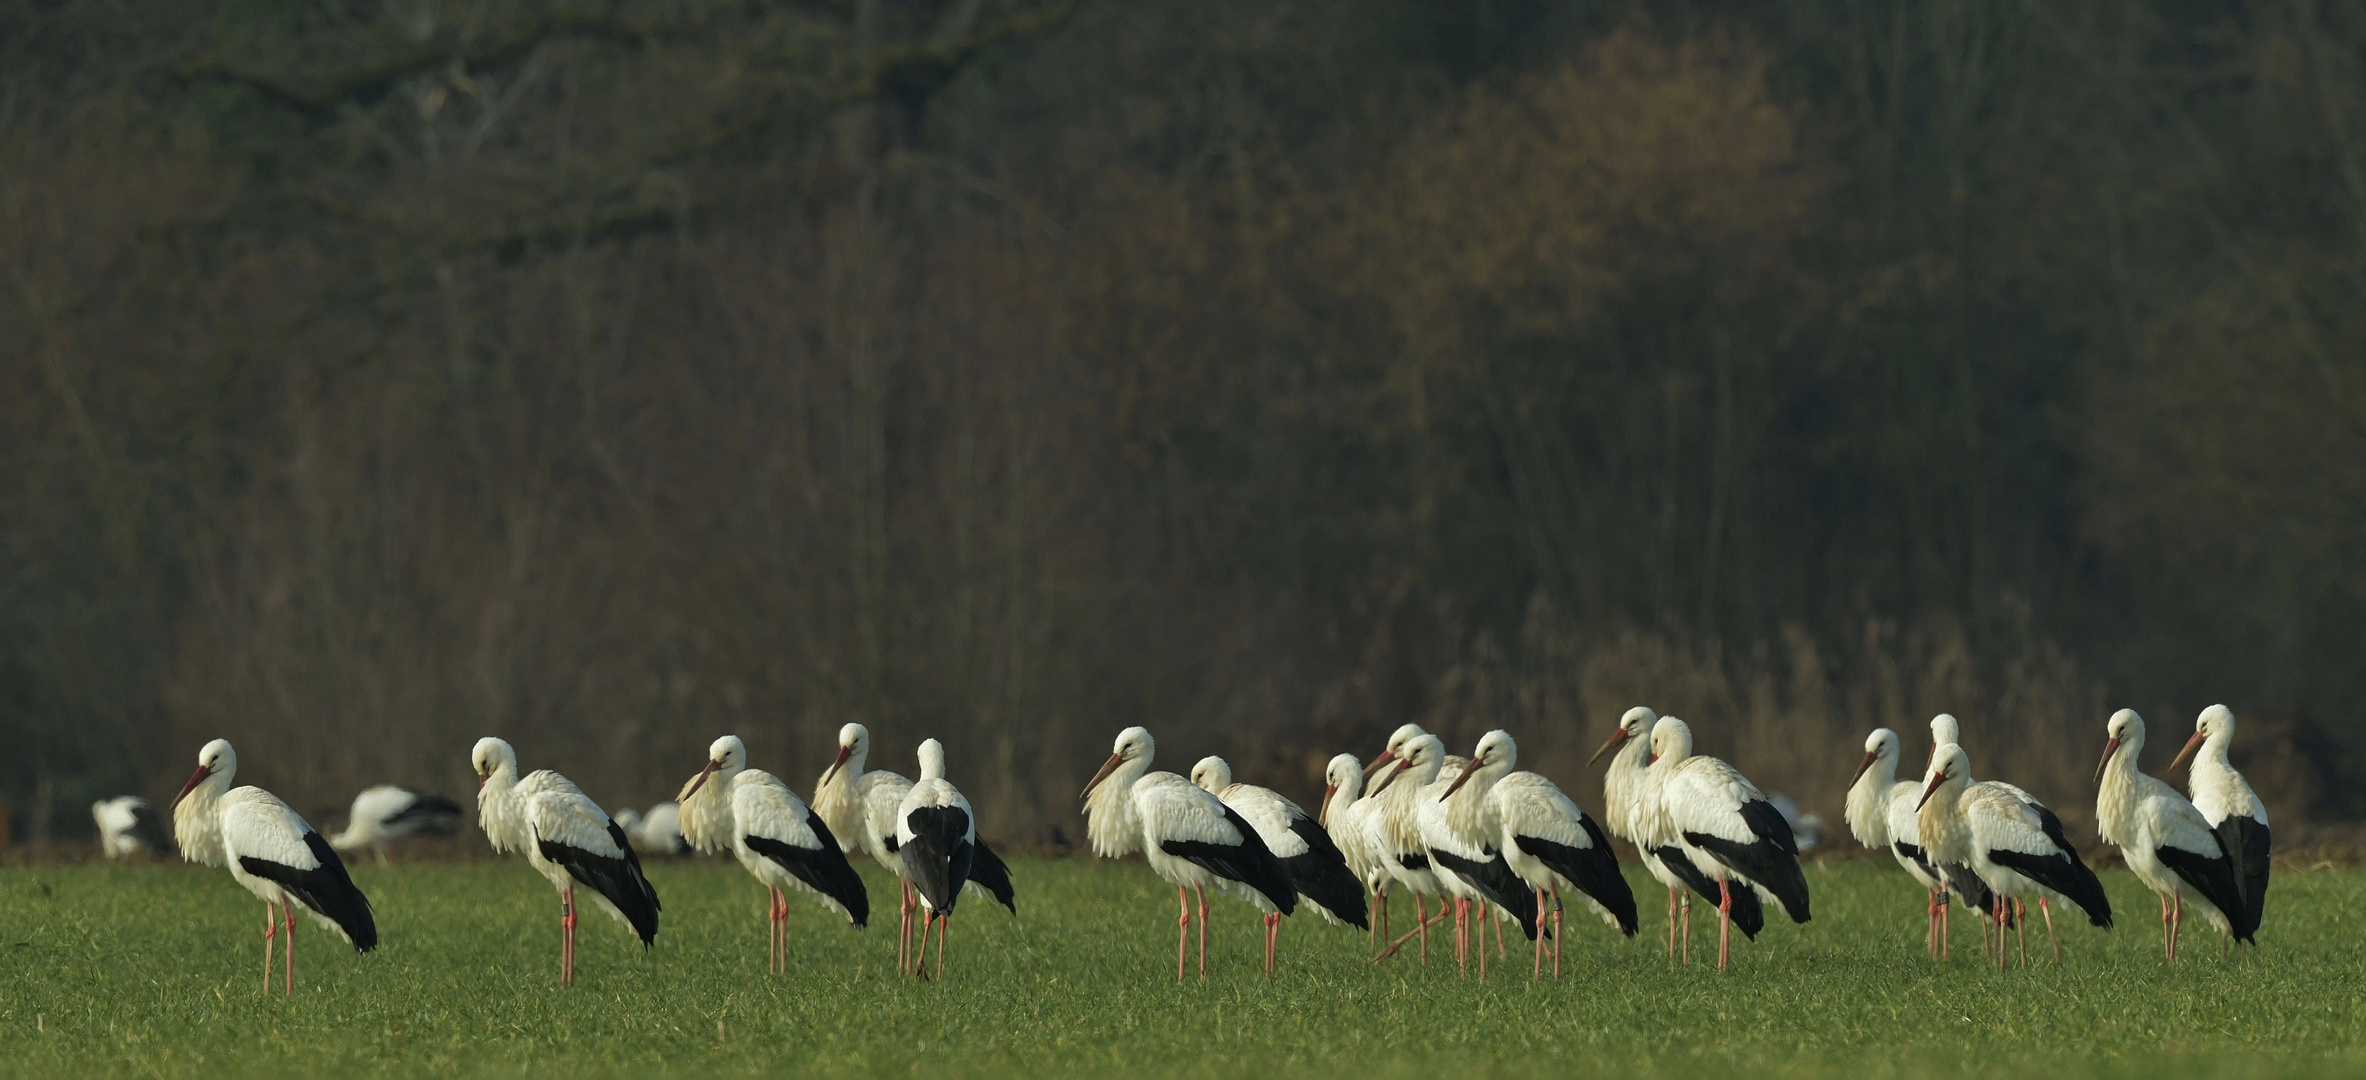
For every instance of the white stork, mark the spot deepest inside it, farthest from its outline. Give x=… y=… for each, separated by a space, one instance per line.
x=1547 y=842
x=1395 y=822
x=1188 y=836
x=2163 y=838
x=2014 y=844
x=1881 y=815
x=750 y=813
x=658 y=832
x=270 y=850
x=1349 y=818
x=389 y=812
x=1725 y=827
x=1314 y=864
x=2228 y=804
x=936 y=836
x=861 y=805
x=1461 y=835
x=1626 y=791
x=567 y=839
x=129 y=826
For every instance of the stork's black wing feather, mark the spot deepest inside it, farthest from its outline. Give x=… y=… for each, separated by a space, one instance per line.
x=435 y=815
x=824 y=869
x=2213 y=877
x=618 y=878
x=1494 y=880
x=1250 y=862
x=938 y=854
x=1771 y=862
x=1322 y=877
x=1749 y=916
x=148 y=828
x=2064 y=873
x=1592 y=869
x=2246 y=842
x=325 y=890
x=987 y=872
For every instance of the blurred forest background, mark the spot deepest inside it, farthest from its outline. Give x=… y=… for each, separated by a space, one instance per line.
x=614 y=374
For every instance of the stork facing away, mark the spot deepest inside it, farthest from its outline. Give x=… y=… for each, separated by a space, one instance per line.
x=2014 y=844
x=270 y=850
x=2228 y=804
x=861 y=805
x=567 y=839
x=2163 y=839
x=1623 y=801
x=1547 y=842
x=1313 y=863
x=1881 y=815
x=937 y=837
x=1189 y=837
x=750 y=813
x=1729 y=831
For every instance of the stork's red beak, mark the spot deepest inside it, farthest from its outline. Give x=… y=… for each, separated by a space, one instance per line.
x=2110 y=747
x=195 y=779
x=1871 y=756
x=1616 y=737
x=1107 y=767
x=843 y=751
x=1385 y=757
x=699 y=781
x=2191 y=745
x=1927 y=789
x=1385 y=781
x=481 y=779
x=1324 y=818
x=1468 y=771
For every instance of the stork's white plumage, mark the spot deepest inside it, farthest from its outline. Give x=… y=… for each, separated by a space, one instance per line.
x=1460 y=831
x=1549 y=843
x=2014 y=844
x=2230 y=806
x=775 y=836
x=936 y=834
x=658 y=832
x=1394 y=786
x=1724 y=825
x=1881 y=815
x=1313 y=863
x=270 y=850
x=389 y=812
x=2163 y=838
x=1348 y=816
x=1188 y=836
x=1625 y=790
x=129 y=826
x=566 y=838
x=861 y=805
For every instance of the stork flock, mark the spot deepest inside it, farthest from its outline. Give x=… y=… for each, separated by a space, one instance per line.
x=1491 y=844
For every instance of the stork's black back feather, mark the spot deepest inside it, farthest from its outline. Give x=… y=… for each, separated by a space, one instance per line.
x=987 y=871
x=1749 y=916
x=1413 y=862
x=1592 y=869
x=147 y=827
x=2216 y=879
x=1968 y=888
x=1771 y=862
x=617 y=878
x=1494 y=880
x=1250 y=862
x=824 y=869
x=2246 y=842
x=1322 y=877
x=938 y=855
x=2064 y=873
x=325 y=890
x=434 y=814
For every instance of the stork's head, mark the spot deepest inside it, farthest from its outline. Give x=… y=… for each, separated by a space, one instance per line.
x=2125 y=731
x=1495 y=756
x=932 y=759
x=854 y=742
x=1945 y=730
x=1422 y=757
x=1212 y=775
x=1395 y=751
x=1343 y=773
x=490 y=756
x=1671 y=740
x=1134 y=744
x=726 y=756
x=1636 y=724
x=216 y=758
x=1882 y=744
x=1949 y=766
x=2216 y=722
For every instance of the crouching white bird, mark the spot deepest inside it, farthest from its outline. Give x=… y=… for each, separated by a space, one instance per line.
x=389 y=812
x=937 y=836
x=2229 y=805
x=129 y=826
x=2164 y=839
x=1314 y=864
x=1188 y=836
x=270 y=850
x=567 y=839
x=750 y=813
x=658 y=832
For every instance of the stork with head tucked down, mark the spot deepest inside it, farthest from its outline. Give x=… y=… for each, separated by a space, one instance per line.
x=1881 y=815
x=1547 y=842
x=1307 y=855
x=271 y=851
x=1625 y=792
x=129 y=826
x=2228 y=804
x=1724 y=825
x=1349 y=818
x=2163 y=839
x=2014 y=844
x=1188 y=836
x=389 y=812
x=567 y=838
x=750 y=813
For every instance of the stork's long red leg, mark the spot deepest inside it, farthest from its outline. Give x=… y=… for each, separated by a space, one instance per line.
x=2021 y=928
x=1724 y=921
x=2176 y=924
x=944 y=923
x=1671 y=926
x=1481 y=923
x=1945 y=929
x=1536 y=970
x=1182 y=928
x=1684 y=905
x=1556 y=933
x=2048 y=912
x=270 y=930
x=288 y=907
x=1200 y=891
x=567 y=938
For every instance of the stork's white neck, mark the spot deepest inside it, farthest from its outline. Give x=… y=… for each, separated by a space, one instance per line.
x=197 y=826
x=1111 y=821
x=1868 y=802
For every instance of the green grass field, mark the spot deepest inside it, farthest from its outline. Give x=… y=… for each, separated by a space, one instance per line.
x=156 y=970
